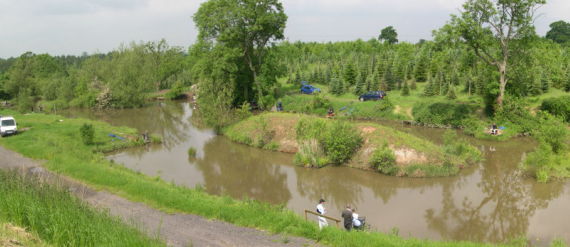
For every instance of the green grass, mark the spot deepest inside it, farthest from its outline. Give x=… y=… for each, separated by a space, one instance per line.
x=58 y=143
x=11 y=235
x=59 y=218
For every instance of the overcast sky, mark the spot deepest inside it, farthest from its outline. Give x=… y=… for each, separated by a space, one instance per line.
x=71 y=27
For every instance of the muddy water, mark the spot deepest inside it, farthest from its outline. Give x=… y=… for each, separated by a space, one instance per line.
x=488 y=202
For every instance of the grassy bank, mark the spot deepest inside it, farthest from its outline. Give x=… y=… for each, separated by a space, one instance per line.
x=60 y=219
x=309 y=137
x=59 y=143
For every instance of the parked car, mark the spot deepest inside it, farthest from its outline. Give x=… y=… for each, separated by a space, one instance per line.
x=8 y=126
x=372 y=95
x=309 y=89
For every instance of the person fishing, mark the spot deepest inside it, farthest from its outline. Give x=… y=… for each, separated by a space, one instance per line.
x=331 y=112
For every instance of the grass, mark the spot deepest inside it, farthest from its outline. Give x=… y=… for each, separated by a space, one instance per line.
x=11 y=235
x=66 y=154
x=427 y=159
x=60 y=219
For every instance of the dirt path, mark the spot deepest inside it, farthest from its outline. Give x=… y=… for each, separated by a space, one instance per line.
x=178 y=229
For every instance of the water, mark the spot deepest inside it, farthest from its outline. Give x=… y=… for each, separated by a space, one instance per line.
x=491 y=201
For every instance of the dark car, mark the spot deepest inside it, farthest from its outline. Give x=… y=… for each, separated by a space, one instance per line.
x=372 y=95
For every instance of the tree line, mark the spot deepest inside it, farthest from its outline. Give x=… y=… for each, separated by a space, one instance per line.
x=490 y=50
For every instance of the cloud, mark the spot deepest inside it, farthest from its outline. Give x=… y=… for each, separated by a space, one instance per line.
x=71 y=27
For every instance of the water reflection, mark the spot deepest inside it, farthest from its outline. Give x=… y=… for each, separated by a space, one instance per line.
x=239 y=170
x=488 y=202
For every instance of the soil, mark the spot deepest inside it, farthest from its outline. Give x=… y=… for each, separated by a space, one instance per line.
x=177 y=229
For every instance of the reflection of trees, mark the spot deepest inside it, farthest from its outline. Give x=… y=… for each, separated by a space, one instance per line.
x=256 y=176
x=338 y=187
x=503 y=212
x=168 y=119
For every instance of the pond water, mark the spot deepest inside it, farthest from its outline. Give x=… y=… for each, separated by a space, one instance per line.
x=490 y=201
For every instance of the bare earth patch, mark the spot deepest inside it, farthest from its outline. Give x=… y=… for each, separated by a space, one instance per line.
x=406 y=156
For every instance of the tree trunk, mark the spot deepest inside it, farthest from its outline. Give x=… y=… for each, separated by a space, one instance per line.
x=259 y=90
x=502 y=83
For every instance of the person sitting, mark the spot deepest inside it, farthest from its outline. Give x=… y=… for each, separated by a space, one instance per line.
x=494 y=129
x=355 y=221
x=331 y=112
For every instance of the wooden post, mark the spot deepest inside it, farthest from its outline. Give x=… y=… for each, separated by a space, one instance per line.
x=320 y=215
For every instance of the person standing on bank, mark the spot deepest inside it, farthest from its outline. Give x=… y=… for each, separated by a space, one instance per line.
x=322 y=210
x=347 y=216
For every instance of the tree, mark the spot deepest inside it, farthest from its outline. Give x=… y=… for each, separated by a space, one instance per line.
x=389 y=34
x=165 y=61
x=244 y=25
x=559 y=32
x=493 y=28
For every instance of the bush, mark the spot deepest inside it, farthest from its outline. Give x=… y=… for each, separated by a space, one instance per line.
x=514 y=111
x=460 y=147
x=176 y=92
x=310 y=154
x=558 y=107
x=383 y=159
x=87 y=133
x=441 y=113
x=342 y=139
x=192 y=151
x=551 y=131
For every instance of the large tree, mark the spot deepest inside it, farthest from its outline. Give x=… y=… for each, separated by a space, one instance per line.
x=389 y=34
x=492 y=29
x=244 y=25
x=559 y=32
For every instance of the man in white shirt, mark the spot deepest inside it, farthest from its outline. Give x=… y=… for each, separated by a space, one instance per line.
x=322 y=210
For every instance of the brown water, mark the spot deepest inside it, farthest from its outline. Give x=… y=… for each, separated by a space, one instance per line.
x=488 y=202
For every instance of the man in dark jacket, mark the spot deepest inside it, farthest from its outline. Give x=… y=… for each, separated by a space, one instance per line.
x=347 y=216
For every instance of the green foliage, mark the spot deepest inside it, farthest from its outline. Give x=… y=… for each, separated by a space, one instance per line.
x=342 y=139
x=176 y=92
x=389 y=35
x=451 y=94
x=191 y=151
x=441 y=114
x=244 y=112
x=514 y=111
x=406 y=89
x=61 y=219
x=383 y=159
x=460 y=148
x=339 y=139
x=558 y=107
x=87 y=133
x=240 y=31
x=559 y=32
x=310 y=154
x=551 y=131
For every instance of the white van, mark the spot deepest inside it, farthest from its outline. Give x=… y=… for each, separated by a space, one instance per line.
x=8 y=126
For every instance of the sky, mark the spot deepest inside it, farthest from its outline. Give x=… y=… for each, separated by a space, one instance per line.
x=72 y=27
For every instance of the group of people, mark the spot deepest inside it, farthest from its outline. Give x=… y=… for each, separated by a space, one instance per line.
x=350 y=217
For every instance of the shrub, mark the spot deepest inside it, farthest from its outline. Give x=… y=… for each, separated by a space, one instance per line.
x=514 y=111
x=558 y=107
x=310 y=154
x=342 y=139
x=551 y=131
x=459 y=147
x=192 y=151
x=87 y=133
x=441 y=113
x=243 y=112
x=176 y=92
x=383 y=159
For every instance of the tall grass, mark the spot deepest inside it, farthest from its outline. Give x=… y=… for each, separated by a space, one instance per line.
x=59 y=218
